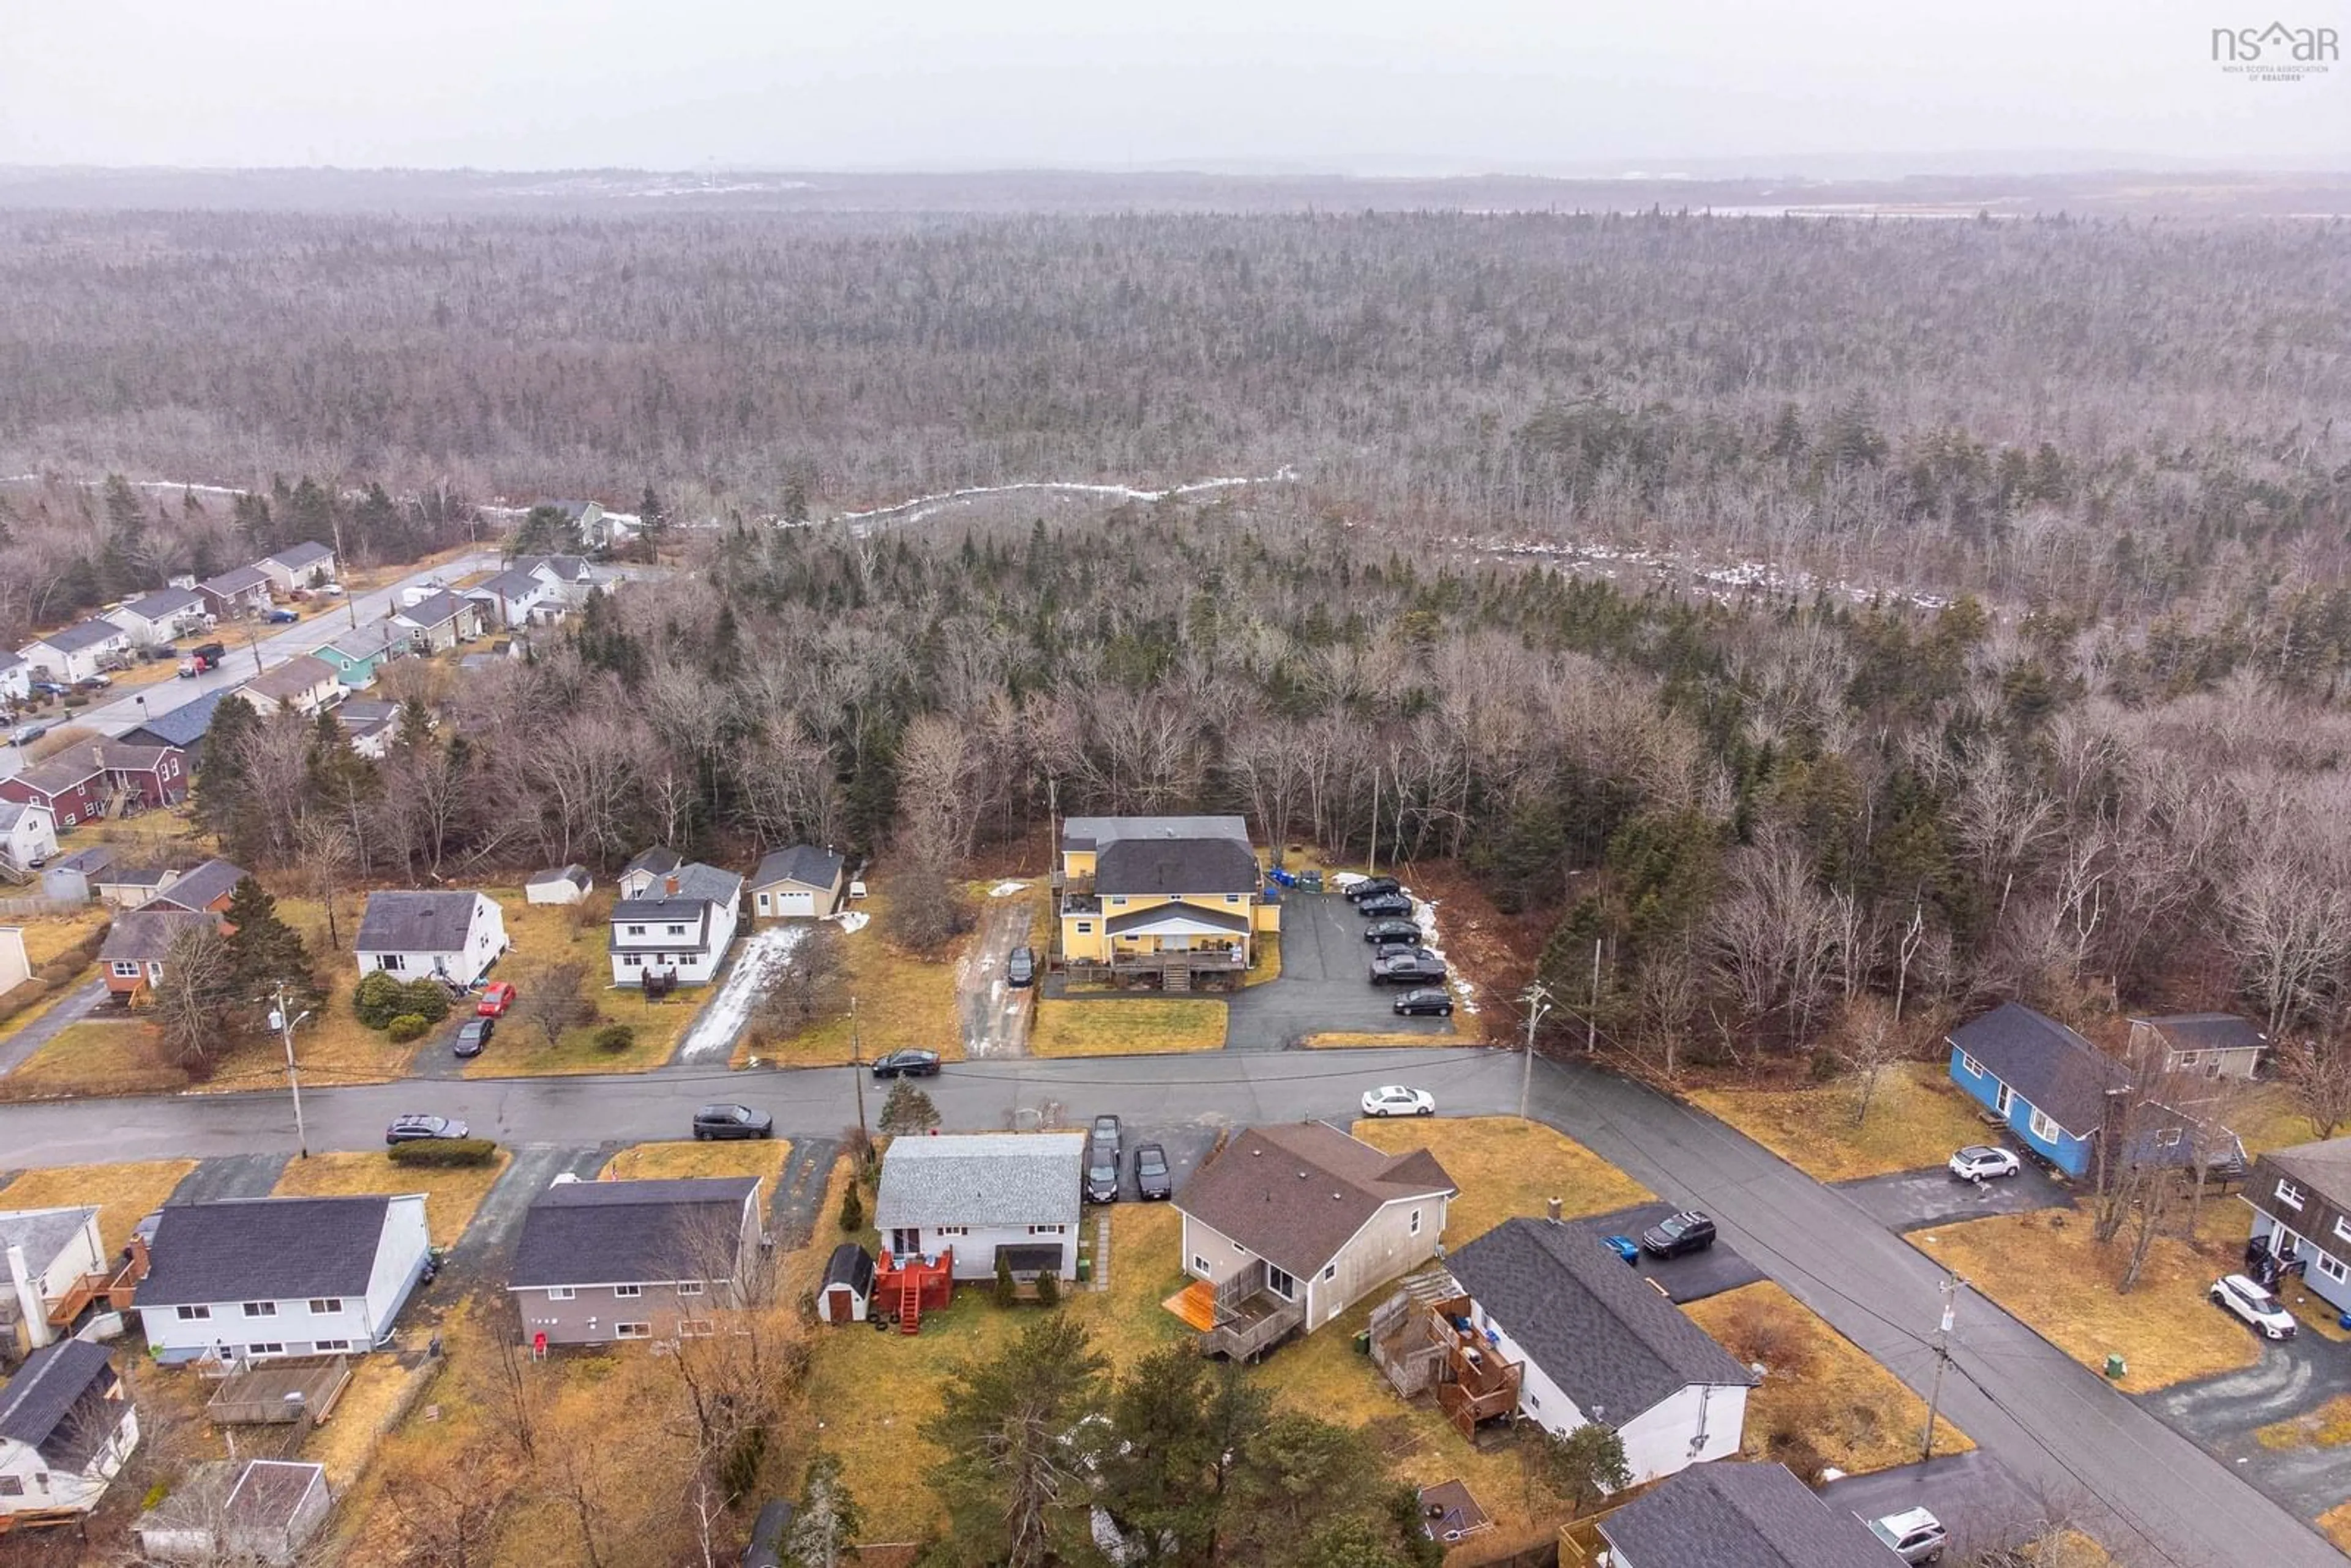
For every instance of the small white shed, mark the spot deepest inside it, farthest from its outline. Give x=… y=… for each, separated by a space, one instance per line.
x=558 y=884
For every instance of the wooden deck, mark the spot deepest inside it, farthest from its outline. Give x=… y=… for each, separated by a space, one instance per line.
x=276 y=1392
x=1195 y=1303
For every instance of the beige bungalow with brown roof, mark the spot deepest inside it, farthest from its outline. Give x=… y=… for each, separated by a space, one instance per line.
x=1299 y=1222
x=304 y=683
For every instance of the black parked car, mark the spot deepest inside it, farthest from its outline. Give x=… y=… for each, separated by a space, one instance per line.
x=1106 y=1132
x=732 y=1122
x=474 y=1034
x=1384 y=904
x=1372 y=886
x=411 y=1129
x=1393 y=928
x=1101 y=1172
x=1021 y=968
x=1689 y=1231
x=1151 y=1180
x=1407 y=967
x=1426 y=999
x=911 y=1062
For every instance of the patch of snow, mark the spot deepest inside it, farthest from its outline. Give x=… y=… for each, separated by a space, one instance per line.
x=1345 y=879
x=712 y=1037
x=853 y=921
x=1468 y=993
x=922 y=506
x=1007 y=889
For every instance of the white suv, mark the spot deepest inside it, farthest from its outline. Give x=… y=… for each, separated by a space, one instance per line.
x=1914 y=1536
x=2255 y=1305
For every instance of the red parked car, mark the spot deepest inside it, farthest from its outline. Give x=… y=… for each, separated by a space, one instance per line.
x=496 y=997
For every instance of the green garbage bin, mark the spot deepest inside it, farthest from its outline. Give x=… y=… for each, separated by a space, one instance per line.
x=1085 y=1269
x=1364 y=1343
x=1311 y=880
x=2115 y=1367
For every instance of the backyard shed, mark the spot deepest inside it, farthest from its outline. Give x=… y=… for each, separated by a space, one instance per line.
x=848 y=1288
x=558 y=884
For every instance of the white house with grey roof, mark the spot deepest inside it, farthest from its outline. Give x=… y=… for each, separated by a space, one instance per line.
x=47 y=1252
x=1599 y=1344
x=441 y=621
x=154 y=619
x=254 y=1279
x=679 y=924
x=979 y=1192
x=605 y=1260
x=453 y=937
x=517 y=598
x=77 y=652
x=802 y=882
x=16 y=676
x=1739 y=1516
x=28 y=835
x=65 y=1428
x=305 y=565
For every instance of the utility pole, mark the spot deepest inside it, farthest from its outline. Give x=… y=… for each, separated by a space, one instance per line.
x=1538 y=1000
x=285 y=1022
x=1591 y=1013
x=857 y=1072
x=1942 y=1359
x=1375 y=821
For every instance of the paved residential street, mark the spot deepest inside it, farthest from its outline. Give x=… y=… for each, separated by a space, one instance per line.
x=2075 y=1446
x=2224 y=1412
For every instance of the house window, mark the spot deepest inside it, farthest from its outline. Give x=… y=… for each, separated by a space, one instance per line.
x=637 y=930
x=261 y=1309
x=391 y=961
x=1280 y=1283
x=1535 y=1401
x=1200 y=1264
x=1232 y=898
x=690 y=1287
x=1416 y=1222
x=1085 y=927
x=1045 y=1230
x=1329 y=1270
x=125 y=970
x=677 y=930
x=955 y=1230
x=2188 y=1058
x=561 y=1292
x=626 y=1291
x=633 y=961
x=266 y=1347
x=326 y=1304
x=193 y=1315
x=2044 y=1128
x=2288 y=1193
x=633 y=1330
x=2007 y=1099
x=11 y=1485
x=1118 y=904
x=327 y=1344
x=2343 y=1230
x=2332 y=1267
x=2169 y=1137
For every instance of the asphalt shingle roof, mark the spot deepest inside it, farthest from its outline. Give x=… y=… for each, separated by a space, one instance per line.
x=2207 y=1032
x=1169 y=919
x=1731 y=1515
x=301 y=556
x=243 y=580
x=367 y=641
x=1101 y=833
x=630 y=1232
x=130 y=757
x=400 y=922
x=981 y=1179
x=508 y=585
x=43 y=1393
x=297 y=676
x=145 y=935
x=1176 y=866
x=436 y=611
x=574 y=873
x=1294 y=1194
x=803 y=864
x=2323 y=1168
x=81 y=635
x=850 y=1265
x=659 y=859
x=2047 y=1063
x=43 y=1233
x=61 y=774
x=1593 y=1325
x=216 y=879
x=264 y=1249
x=164 y=603
x=185 y=724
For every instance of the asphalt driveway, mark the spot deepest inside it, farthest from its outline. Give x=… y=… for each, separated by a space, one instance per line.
x=1914 y=1200
x=1693 y=1277
x=1984 y=1507
x=2222 y=1413
x=1323 y=987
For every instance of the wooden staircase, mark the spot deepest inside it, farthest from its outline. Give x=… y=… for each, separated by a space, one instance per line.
x=910 y=1304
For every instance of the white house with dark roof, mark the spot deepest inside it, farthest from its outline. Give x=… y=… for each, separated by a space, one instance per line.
x=646 y=870
x=67 y=1425
x=450 y=936
x=155 y=618
x=605 y=1260
x=1739 y=1516
x=802 y=882
x=77 y=652
x=441 y=621
x=982 y=1193
x=305 y=565
x=1599 y=1343
x=254 y=1278
x=28 y=835
x=679 y=926
x=44 y=1254
x=304 y=683
x=517 y=598
x=16 y=676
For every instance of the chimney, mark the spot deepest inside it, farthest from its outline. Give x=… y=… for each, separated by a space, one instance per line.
x=1551 y=1208
x=35 y=1310
x=669 y=885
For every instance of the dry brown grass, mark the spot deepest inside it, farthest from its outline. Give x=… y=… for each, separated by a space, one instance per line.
x=1916 y=1117
x=760 y=1158
x=2335 y=1525
x=378 y=1387
x=1818 y=1385
x=1459 y=1031
x=96 y=1056
x=2045 y=1268
x=452 y=1193
x=49 y=935
x=1127 y=1025
x=2328 y=1427
x=124 y=1193
x=903 y=999
x=1505 y=1167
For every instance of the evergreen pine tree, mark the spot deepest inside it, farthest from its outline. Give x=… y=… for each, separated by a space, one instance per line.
x=264 y=952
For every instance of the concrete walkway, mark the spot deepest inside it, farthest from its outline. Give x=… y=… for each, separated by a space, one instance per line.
x=63 y=1014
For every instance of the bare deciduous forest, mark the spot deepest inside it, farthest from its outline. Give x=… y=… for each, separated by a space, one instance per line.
x=2087 y=747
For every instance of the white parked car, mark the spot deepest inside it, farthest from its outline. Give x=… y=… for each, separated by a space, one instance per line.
x=1982 y=1162
x=2255 y=1305
x=1396 y=1100
x=1914 y=1536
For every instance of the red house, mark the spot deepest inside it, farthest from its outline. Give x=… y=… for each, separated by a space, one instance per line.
x=147 y=776
x=107 y=778
x=72 y=787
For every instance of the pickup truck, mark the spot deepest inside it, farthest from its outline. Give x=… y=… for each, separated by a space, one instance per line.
x=207 y=657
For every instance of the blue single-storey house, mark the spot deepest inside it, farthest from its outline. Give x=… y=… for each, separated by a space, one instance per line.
x=357 y=656
x=2049 y=1086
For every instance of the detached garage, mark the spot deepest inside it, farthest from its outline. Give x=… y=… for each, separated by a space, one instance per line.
x=802 y=882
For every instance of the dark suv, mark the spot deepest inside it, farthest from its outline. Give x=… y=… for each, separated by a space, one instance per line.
x=474 y=1034
x=1393 y=928
x=1101 y=1161
x=1676 y=1234
x=1151 y=1180
x=732 y=1122
x=1384 y=904
x=1020 y=969
x=1407 y=967
x=1372 y=886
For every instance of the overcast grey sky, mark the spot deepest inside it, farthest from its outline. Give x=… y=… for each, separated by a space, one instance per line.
x=1356 y=85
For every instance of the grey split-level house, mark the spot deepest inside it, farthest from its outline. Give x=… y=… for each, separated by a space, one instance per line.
x=600 y=1261
x=1727 y=1515
x=980 y=1194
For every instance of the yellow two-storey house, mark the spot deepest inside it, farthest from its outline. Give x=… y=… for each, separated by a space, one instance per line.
x=1176 y=898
